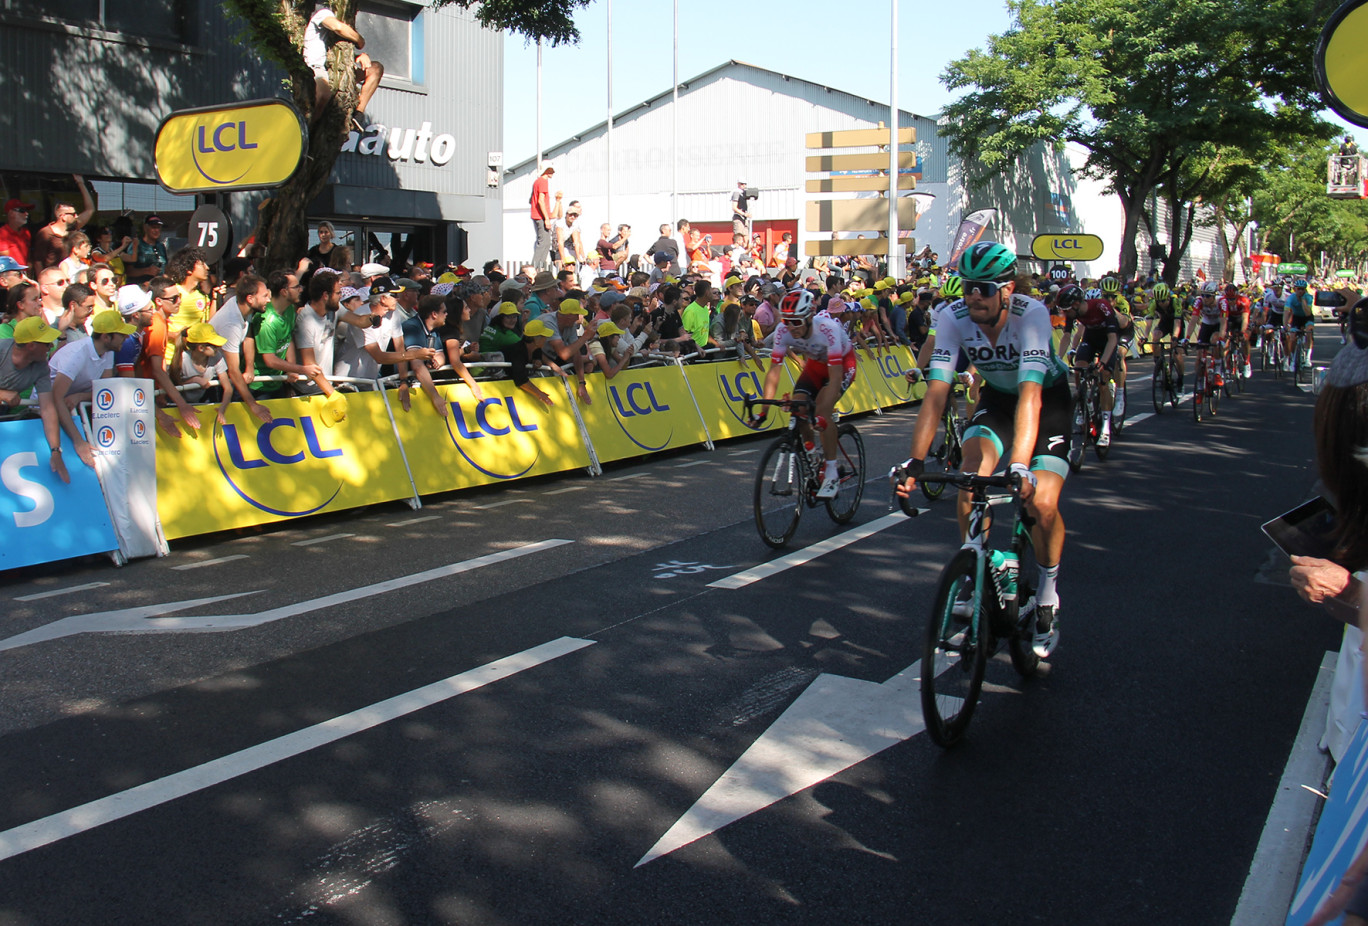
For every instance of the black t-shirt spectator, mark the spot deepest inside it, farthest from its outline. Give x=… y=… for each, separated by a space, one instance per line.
x=519 y=359
x=669 y=323
x=918 y=323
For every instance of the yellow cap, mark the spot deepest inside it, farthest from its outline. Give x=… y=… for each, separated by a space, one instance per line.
x=607 y=329
x=507 y=308
x=572 y=307
x=110 y=322
x=204 y=333
x=537 y=328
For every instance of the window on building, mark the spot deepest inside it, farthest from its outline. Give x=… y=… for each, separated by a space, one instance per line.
x=394 y=37
x=157 y=19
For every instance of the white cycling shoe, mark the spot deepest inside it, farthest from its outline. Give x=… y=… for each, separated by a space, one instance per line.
x=830 y=487
x=1046 y=630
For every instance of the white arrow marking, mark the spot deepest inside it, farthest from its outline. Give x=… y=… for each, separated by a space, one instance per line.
x=134 y=620
x=834 y=724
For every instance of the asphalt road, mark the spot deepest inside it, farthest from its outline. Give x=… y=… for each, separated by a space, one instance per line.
x=751 y=742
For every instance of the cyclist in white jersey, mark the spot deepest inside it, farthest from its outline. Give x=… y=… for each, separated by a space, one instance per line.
x=827 y=373
x=1025 y=410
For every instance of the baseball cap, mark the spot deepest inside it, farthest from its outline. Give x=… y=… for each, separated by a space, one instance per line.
x=661 y=257
x=607 y=328
x=33 y=329
x=507 y=308
x=537 y=328
x=18 y=204
x=204 y=333
x=442 y=289
x=132 y=299
x=730 y=282
x=610 y=299
x=406 y=283
x=8 y=263
x=373 y=269
x=384 y=287
x=511 y=286
x=110 y=322
x=572 y=307
x=153 y=219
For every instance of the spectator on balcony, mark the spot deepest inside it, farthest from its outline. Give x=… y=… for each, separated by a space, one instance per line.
x=52 y=243
x=149 y=253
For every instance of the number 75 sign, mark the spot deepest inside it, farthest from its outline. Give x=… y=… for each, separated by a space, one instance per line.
x=210 y=229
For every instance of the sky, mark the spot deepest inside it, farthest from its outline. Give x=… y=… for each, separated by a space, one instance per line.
x=845 y=46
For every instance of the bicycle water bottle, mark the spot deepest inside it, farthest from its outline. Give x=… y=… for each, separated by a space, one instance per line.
x=1005 y=566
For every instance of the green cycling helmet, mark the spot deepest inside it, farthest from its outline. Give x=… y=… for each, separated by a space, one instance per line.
x=1111 y=285
x=1161 y=291
x=988 y=262
x=952 y=288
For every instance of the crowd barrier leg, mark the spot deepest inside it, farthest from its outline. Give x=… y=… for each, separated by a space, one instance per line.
x=415 y=503
x=595 y=467
x=708 y=441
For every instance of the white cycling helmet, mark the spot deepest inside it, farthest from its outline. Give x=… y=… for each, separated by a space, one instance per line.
x=796 y=306
x=1210 y=288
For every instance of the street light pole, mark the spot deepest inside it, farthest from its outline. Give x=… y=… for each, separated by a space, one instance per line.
x=895 y=261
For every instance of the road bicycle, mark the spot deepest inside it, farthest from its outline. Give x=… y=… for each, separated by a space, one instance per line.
x=790 y=473
x=1207 y=381
x=947 y=453
x=1301 y=363
x=1235 y=356
x=985 y=596
x=1167 y=381
x=1271 y=351
x=1087 y=418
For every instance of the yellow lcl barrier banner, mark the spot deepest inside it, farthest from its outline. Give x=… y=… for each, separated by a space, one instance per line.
x=246 y=146
x=224 y=477
x=506 y=435
x=641 y=411
x=721 y=389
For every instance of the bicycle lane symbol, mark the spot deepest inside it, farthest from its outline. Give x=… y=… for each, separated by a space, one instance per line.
x=675 y=567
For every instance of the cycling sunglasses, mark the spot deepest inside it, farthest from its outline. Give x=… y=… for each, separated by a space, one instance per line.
x=982 y=287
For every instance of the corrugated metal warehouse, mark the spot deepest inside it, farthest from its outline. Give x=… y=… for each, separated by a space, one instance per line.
x=86 y=84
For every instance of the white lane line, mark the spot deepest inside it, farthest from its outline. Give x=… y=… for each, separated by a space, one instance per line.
x=311 y=542
x=692 y=463
x=430 y=517
x=507 y=501
x=210 y=562
x=566 y=489
x=136 y=620
x=59 y=826
x=807 y=554
x=742 y=453
x=62 y=591
x=628 y=476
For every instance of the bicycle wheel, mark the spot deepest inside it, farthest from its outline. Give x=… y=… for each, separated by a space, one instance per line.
x=1080 y=435
x=936 y=463
x=1277 y=357
x=1213 y=393
x=850 y=462
x=1240 y=358
x=1021 y=644
x=956 y=653
x=1303 y=363
x=1159 y=384
x=779 y=492
x=1119 y=407
x=1263 y=356
x=1198 y=390
x=1095 y=406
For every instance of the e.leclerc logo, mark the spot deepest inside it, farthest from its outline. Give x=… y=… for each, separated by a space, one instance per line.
x=104 y=399
x=139 y=398
x=139 y=429
x=734 y=387
x=104 y=436
x=487 y=437
x=277 y=444
x=637 y=403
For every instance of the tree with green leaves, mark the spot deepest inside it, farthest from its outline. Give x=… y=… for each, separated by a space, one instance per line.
x=1156 y=92
x=275 y=30
x=1297 y=220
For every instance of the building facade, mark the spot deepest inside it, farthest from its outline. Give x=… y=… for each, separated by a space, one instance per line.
x=87 y=82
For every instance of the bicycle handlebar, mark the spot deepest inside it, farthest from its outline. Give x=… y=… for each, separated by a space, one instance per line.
x=786 y=404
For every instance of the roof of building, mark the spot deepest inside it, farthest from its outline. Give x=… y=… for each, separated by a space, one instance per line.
x=684 y=85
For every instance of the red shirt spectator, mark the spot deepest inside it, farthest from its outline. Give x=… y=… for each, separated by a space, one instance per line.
x=14 y=234
x=541 y=195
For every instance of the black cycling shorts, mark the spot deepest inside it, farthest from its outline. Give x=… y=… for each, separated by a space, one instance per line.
x=1207 y=332
x=1095 y=345
x=1275 y=319
x=1170 y=325
x=995 y=420
x=1299 y=322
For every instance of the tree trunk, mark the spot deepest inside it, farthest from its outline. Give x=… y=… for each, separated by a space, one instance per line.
x=1132 y=204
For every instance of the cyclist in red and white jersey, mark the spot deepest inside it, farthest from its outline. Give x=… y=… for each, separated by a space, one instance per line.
x=828 y=370
x=1235 y=308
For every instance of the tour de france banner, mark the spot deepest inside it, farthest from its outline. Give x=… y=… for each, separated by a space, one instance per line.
x=721 y=389
x=122 y=422
x=640 y=411
x=303 y=462
x=42 y=518
x=506 y=435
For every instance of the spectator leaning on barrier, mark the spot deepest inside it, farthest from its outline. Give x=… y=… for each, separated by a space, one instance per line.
x=24 y=366
x=202 y=369
x=522 y=355
x=250 y=298
x=504 y=328
x=456 y=350
x=144 y=354
x=189 y=270
x=696 y=317
x=422 y=336
x=75 y=367
x=603 y=350
x=270 y=339
x=316 y=332
x=568 y=342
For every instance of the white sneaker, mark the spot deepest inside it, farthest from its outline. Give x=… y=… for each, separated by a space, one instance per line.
x=1249 y=371
x=830 y=487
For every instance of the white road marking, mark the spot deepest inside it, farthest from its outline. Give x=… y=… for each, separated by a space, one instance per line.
x=834 y=724
x=566 y=489
x=628 y=476
x=61 y=591
x=742 y=453
x=507 y=501
x=59 y=826
x=314 y=540
x=691 y=463
x=134 y=620
x=430 y=517
x=807 y=554
x=210 y=562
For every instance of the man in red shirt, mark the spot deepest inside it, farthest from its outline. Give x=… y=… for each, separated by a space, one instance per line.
x=541 y=216
x=50 y=246
x=15 y=236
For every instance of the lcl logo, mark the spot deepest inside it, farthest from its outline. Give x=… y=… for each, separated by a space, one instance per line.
x=735 y=388
x=638 y=400
x=267 y=455
x=485 y=420
x=212 y=149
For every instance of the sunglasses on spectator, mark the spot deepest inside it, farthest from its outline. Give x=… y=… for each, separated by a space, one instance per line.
x=982 y=287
